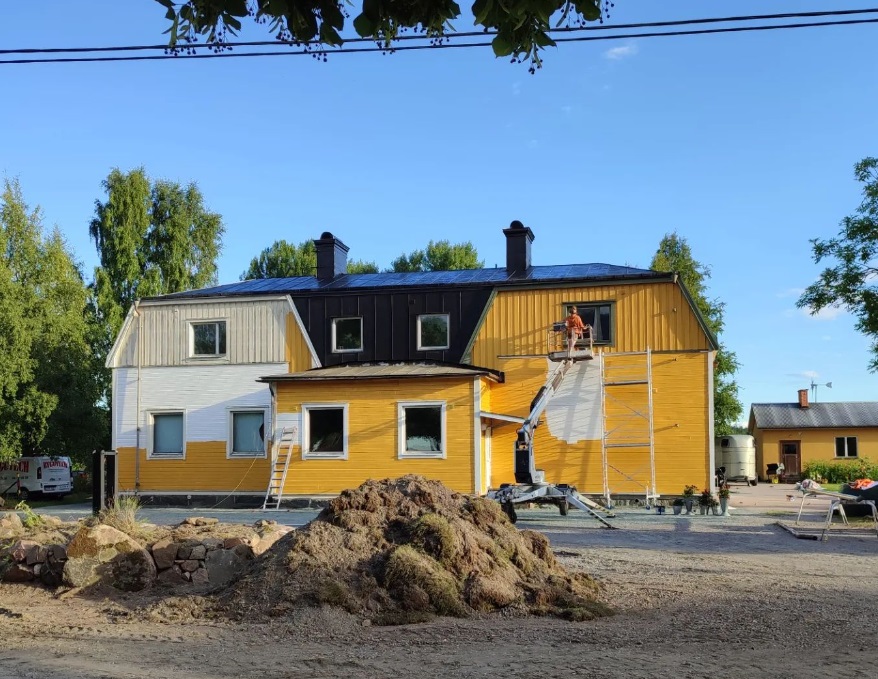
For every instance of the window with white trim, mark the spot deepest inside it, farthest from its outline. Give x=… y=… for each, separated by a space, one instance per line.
x=845 y=446
x=433 y=331
x=247 y=433
x=421 y=429
x=168 y=435
x=347 y=334
x=207 y=338
x=325 y=431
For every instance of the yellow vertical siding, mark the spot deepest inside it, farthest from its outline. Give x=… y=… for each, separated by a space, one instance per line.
x=815 y=444
x=654 y=315
x=680 y=408
x=373 y=436
x=298 y=354
x=205 y=469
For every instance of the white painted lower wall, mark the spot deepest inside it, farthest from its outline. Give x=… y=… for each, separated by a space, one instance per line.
x=205 y=393
x=574 y=413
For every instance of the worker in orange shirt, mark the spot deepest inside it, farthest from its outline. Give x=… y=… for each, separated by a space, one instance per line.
x=575 y=329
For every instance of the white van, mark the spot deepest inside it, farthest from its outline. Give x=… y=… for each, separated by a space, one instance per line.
x=32 y=475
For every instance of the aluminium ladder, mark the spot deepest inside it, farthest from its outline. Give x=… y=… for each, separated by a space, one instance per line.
x=627 y=417
x=280 y=465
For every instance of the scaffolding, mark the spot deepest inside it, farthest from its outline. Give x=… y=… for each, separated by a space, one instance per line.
x=627 y=440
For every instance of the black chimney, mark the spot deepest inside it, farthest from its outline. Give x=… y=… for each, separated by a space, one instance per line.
x=518 y=240
x=332 y=257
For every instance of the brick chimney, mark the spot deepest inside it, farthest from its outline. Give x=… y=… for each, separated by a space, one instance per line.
x=332 y=257
x=518 y=240
x=803 y=398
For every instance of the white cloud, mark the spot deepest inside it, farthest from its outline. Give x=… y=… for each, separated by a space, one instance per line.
x=791 y=292
x=829 y=313
x=809 y=374
x=623 y=52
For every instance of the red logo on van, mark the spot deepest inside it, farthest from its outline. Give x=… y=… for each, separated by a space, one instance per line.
x=21 y=466
x=48 y=464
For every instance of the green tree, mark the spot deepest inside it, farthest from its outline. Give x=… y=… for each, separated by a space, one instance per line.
x=851 y=283
x=521 y=26
x=51 y=400
x=439 y=256
x=283 y=260
x=286 y=260
x=152 y=238
x=362 y=266
x=675 y=255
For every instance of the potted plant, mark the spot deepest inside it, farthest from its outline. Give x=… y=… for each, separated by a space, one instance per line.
x=689 y=497
x=705 y=500
x=678 y=505
x=724 y=493
x=714 y=506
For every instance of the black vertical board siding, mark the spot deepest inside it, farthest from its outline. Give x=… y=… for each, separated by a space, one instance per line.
x=390 y=322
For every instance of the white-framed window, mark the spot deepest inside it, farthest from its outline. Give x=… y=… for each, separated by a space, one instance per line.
x=347 y=334
x=324 y=431
x=421 y=429
x=247 y=428
x=845 y=446
x=433 y=331
x=207 y=339
x=167 y=435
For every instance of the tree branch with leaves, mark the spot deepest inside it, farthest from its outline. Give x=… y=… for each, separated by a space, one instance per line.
x=851 y=282
x=520 y=27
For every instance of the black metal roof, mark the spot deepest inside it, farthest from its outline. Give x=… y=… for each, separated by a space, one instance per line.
x=816 y=415
x=469 y=277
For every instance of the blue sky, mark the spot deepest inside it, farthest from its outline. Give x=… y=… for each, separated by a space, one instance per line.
x=744 y=144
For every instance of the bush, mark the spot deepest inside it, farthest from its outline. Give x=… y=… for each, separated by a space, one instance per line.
x=82 y=483
x=841 y=471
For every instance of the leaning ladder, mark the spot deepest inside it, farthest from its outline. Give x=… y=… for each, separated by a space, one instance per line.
x=280 y=465
x=636 y=428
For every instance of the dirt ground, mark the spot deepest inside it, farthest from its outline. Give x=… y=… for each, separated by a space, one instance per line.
x=696 y=597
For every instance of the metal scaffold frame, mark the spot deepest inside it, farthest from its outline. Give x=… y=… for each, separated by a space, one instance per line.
x=641 y=433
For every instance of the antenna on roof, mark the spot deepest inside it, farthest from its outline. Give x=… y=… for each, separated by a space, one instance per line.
x=814 y=389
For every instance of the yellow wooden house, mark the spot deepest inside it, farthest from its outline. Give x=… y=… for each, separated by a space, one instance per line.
x=362 y=376
x=795 y=433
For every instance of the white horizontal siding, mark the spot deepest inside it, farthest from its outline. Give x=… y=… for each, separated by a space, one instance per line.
x=255 y=332
x=205 y=393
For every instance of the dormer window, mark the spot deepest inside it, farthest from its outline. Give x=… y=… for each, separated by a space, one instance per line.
x=347 y=335
x=432 y=332
x=208 y=339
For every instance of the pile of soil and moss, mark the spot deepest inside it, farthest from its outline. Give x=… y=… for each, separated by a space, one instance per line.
x=406 y=549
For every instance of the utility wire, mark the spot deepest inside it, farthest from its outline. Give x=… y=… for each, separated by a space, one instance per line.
x=461 y=34
x=405 y=48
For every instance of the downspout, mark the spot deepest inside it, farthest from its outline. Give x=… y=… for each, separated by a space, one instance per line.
x=139 y=365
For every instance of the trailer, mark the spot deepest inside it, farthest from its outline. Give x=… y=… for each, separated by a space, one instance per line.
x=737 y=455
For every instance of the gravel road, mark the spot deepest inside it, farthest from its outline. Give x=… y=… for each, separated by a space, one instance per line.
x=696 y=596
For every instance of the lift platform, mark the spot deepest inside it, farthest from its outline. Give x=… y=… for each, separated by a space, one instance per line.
x=530 y=483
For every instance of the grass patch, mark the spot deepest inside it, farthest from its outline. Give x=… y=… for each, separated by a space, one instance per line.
x=123 y=516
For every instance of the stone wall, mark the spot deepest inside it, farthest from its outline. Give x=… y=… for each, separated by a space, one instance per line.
x=100 y=554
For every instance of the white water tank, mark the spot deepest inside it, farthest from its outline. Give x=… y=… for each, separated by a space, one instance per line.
x=737 y=453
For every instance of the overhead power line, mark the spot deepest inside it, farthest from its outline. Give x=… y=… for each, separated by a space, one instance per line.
x=319 y=51
x=461 y=34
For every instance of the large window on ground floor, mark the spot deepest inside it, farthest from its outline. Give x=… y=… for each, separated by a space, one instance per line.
x=247 y=435
x=422 y=429
x=845 y=446
x=168 y=435
x=325 y=431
